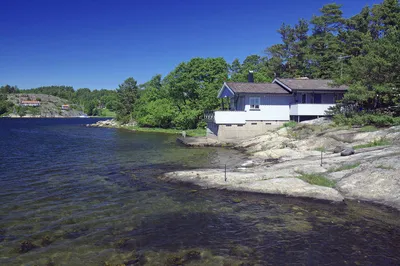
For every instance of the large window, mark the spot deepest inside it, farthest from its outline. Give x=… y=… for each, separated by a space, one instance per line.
x=254 y=103
x=303 y=98
x=317 y=98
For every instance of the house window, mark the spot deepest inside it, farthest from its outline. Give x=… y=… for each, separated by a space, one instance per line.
x=303 y=98
x=254 y=102
x=317 y=98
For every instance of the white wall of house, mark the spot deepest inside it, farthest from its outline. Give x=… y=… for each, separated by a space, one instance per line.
x=274 y=108
x=306 y=109
x=271 y=108
x=230 y=117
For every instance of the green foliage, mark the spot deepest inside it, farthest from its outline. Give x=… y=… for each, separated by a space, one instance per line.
x=374 y=143
x=180 y=99
x=320 y=149
x=106 y=113
x=21 y=110
x=386 y=167
x=316 y=179
x=7 y=89
x=365 y=119
x=127 y=95
x=368 y=129
x=5 y=106
x=239 y=72
x=158 y=113
x=198 y=132
x=290 y=124
x=344 y=167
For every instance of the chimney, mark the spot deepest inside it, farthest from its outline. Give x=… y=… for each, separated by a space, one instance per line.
x=250 y=77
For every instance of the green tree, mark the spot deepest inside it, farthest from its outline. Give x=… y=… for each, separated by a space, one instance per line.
x=289 y=59
x=127 y=95
x=194 y=86
x=324 y=42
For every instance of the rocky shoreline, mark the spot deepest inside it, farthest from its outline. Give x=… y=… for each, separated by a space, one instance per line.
x=284 y=161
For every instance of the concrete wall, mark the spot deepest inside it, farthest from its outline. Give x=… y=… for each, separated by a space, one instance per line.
x=212 y=130
x=248 y=130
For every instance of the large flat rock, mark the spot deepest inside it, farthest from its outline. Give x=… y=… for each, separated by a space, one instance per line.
x=378 y=185
x=251 y=182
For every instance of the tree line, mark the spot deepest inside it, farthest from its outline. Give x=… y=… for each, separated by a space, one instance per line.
x=89 y=101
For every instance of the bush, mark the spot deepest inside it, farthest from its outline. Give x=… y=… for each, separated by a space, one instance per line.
x=187 y=119
x=316 y=179
x=290 y=124
x=377 y=142
x=378 y=120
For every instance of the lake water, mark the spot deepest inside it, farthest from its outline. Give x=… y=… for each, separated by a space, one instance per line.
x=72 y=195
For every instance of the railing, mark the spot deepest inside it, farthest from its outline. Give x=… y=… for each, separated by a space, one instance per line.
x=309 y=109
x=209 y=116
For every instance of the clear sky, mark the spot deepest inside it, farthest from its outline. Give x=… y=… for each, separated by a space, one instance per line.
x=98 y=44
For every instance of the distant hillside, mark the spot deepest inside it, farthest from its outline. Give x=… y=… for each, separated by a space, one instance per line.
x=50 y=106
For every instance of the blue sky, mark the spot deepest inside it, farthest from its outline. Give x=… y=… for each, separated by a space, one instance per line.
x=98 y=44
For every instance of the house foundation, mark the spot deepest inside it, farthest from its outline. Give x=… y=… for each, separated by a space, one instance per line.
x=234 y=132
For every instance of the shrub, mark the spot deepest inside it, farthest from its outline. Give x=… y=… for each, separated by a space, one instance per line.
x=316 y=179
x=368 y=129
x=376 y=142
x=290 y=124
x=364 y=119
x=344 y=167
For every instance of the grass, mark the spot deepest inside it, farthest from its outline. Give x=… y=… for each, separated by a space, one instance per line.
x=290 y=124
x=344 y=167
x=316 y=179
x=375 y=143
x=368 y=129
x=320 y=149
x=386 y=167
x=107 y=113
x=199 y=132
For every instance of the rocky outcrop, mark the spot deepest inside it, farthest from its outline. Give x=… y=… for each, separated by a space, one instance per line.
x=200 y=142
x=278 y=158
x=111 y=123
x=254 y=182
x=347 y=152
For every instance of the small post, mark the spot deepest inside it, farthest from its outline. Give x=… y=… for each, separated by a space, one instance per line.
x=321 y=157
x=225 y=172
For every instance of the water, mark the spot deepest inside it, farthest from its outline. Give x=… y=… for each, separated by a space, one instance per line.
x=72 y=195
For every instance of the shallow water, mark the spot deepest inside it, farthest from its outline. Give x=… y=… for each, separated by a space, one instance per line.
x=90 y=196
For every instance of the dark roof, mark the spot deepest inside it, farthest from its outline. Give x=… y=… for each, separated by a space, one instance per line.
x=312 y=84
x=248 y=87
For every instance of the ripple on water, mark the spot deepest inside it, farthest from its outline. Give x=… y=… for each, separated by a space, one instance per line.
x=90 y=196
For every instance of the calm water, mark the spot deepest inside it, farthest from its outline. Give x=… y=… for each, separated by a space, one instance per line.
x=72 y=195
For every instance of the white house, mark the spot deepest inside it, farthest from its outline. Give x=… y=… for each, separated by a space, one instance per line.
x=253 y=108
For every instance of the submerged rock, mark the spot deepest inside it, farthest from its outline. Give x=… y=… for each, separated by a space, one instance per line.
x=26 y=246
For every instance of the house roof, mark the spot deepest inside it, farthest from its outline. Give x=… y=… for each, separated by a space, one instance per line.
x=312 y=84
x=30 y=102
x=248 y=87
